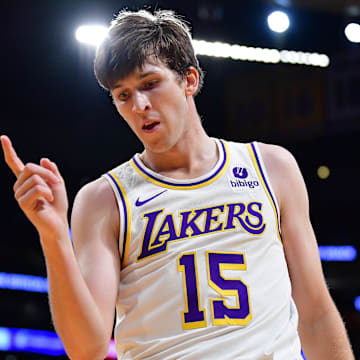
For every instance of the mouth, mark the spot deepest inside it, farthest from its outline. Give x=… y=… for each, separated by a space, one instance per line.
x=150 y=126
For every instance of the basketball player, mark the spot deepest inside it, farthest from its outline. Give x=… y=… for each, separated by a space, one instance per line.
x=204 y=246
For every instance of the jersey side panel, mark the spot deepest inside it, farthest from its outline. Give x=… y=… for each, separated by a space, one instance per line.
x=122 y=209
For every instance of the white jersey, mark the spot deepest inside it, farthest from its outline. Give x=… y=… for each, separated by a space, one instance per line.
x=203 y=271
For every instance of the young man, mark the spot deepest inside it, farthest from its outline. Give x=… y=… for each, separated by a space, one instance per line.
x=201 y=244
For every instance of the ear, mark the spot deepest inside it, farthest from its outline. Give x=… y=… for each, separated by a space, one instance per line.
x=191 y=81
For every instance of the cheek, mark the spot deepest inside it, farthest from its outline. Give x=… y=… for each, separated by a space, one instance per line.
x=175 y=103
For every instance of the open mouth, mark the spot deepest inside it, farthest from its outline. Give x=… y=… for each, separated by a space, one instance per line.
x=150 y=126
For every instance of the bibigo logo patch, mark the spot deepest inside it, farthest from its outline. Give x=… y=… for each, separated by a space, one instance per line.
x=241 y=180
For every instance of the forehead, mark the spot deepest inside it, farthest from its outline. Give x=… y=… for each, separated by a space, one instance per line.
x=148 y=69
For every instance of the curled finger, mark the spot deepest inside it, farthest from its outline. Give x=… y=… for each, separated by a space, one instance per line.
x=48 y=164
x=21 y=188
x=30 y=199
x=31 y=169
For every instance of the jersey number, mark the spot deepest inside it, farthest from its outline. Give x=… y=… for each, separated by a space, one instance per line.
x=194 y=316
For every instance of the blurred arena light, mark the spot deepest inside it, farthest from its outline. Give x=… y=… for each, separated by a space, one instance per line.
x=93 y=35
x=236 y=52
x=278 y=21
x=352 y=32
x=5 y=339
x=41 y=342
x=90 y=34
x=337 y=252
x=37 y=341
x=357 y=303
x=23 y=282
x=34 y=341
x=304 y=58
x=245 y=53
x=323 y=172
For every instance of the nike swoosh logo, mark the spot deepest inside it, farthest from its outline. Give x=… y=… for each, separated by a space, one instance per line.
x=140 y=203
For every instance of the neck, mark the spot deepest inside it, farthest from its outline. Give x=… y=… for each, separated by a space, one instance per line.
x=192 y=156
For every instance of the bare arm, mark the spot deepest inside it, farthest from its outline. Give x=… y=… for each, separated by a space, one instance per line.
x=317 y=312
x=83 y=280
x=83 y=293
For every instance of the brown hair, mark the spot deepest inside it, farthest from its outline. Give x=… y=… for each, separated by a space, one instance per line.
x=137 y=37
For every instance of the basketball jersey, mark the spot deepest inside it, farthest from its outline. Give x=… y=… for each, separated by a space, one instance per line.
x=203 y=272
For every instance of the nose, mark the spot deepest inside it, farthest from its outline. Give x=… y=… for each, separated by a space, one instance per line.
x=141 y=102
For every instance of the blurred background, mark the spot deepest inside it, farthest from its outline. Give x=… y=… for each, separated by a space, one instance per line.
x=51 y=105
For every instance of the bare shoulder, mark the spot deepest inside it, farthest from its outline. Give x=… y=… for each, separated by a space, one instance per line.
x=97 y=192
x=283 y=170
x=96 y=200
x=276 y=156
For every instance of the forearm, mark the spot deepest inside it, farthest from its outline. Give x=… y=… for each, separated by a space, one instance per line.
x=325 y=338
x=75 y=314
x=82 y=318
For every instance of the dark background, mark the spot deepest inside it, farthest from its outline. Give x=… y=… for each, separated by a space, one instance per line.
x=52 y=106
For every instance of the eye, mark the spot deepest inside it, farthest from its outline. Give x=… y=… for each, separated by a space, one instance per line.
x=123 y=96
x=150 y=84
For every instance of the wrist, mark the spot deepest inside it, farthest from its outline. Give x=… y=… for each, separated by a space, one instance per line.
x=56 y=240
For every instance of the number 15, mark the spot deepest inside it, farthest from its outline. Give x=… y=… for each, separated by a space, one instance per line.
x=194 y=316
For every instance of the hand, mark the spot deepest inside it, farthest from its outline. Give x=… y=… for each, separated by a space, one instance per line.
x=40 y=192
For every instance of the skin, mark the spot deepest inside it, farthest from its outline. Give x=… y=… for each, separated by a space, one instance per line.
x=155 y=93
x=84 y=279
x=317 y=312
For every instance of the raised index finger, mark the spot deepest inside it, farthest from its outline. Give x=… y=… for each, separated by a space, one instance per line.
x=13 y=161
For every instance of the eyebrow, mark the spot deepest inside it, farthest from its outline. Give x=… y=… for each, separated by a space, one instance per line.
x=139 y=77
